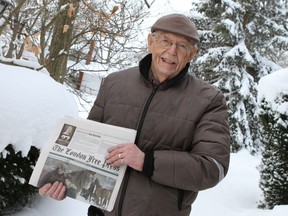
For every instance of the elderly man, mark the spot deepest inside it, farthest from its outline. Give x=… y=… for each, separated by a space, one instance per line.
x=182 y=144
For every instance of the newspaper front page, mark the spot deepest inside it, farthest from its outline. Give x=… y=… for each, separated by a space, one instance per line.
x=75 y=155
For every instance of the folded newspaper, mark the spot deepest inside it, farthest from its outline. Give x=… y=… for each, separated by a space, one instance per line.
x=75 y=155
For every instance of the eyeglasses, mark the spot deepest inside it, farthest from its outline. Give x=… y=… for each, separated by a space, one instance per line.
x=181 y=47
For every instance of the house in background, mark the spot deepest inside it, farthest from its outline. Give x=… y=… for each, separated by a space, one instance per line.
x=88 y=77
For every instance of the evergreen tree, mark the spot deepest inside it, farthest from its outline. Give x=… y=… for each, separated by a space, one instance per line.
x=231 y=57
x=274 y=164
x=266 y=27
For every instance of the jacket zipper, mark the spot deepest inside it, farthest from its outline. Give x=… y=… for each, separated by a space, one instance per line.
x=139 y=128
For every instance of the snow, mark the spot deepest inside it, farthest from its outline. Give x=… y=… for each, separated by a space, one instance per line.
x=271 y=86
x=31 y=102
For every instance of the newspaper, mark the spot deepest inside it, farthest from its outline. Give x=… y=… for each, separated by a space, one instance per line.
x=75 y=155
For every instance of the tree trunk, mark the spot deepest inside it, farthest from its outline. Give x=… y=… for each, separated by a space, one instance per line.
x=61 y=41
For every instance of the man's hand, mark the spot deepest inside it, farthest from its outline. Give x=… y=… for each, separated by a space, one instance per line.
x=128 y=154
x=56 y=190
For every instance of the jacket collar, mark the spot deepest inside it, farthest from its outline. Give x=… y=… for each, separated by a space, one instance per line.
x=145 y=65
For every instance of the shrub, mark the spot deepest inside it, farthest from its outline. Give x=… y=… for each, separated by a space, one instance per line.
x=274 y=164
x=15 y=172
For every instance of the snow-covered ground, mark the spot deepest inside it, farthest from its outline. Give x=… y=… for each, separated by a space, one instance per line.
x=30 y=102
x=236 y=195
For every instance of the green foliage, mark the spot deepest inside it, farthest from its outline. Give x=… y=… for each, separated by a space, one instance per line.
x=274 y=164
x=15 y=172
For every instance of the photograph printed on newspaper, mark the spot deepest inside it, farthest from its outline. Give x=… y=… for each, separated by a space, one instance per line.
x=75 y=155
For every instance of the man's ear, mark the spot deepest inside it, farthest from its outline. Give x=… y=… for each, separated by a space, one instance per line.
x=192 y=53
x=150 y=42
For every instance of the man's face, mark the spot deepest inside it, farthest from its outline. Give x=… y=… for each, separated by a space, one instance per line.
x=170 y=54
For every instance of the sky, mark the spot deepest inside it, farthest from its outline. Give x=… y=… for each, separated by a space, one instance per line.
x=31 y=102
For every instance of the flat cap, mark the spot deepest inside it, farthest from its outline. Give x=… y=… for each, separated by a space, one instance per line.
x=177 y=24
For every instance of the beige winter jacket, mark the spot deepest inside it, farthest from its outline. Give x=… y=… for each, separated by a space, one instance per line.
x=181 y=125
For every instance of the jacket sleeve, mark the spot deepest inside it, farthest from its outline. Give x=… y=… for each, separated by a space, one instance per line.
x=202 y=167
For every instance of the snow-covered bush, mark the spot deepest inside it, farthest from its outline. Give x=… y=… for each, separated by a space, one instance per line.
x=30 y=104
x=273 y=98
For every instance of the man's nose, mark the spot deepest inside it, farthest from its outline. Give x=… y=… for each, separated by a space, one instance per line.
x=173 y=48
